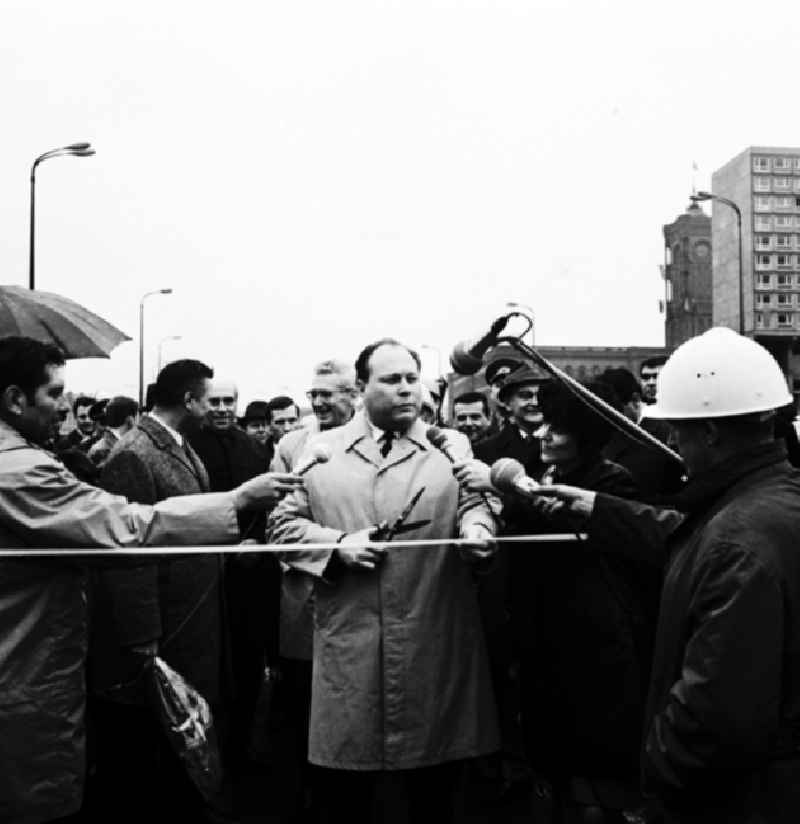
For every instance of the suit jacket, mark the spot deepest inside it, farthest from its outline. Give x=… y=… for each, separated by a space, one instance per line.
x=100 y=450
x=177 y=602
x=400 y=677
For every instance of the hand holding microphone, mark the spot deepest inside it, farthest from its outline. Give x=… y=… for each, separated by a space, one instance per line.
x=508 y=475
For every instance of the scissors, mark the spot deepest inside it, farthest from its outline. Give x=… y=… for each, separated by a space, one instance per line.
x=386 y=531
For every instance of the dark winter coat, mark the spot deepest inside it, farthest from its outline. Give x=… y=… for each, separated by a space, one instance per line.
x=585 y=623
x=176 y=602
x=723 y=715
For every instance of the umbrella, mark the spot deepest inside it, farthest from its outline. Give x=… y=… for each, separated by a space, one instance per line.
x=51 y=318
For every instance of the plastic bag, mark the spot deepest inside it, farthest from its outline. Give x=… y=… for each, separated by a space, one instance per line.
x=187 y=721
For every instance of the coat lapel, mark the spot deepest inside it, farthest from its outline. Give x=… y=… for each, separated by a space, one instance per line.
x=165 y=442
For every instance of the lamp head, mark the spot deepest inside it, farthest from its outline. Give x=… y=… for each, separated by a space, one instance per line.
x=165 y=291
x=703 y=196
x=78 y=147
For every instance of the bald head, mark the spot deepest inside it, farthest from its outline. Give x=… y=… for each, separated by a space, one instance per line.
x=222 y=403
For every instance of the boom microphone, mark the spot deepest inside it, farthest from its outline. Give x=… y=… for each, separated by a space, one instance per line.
x=467 y=356
x=320 y=453
x=508 y=475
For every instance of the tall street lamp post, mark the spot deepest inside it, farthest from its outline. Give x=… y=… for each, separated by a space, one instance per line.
x=738 y=211
x=161 y=346
x=141 y=340
x=74 y=149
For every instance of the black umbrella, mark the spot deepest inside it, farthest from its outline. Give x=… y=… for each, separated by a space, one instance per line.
x=50 y=318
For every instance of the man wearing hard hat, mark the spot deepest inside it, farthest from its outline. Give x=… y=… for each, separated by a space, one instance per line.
x=722 y=729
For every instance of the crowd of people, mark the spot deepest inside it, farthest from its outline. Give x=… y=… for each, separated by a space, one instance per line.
x=614 y=640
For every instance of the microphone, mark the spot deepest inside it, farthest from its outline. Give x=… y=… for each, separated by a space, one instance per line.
x=320 y=453
x=508 y=475
x=438 y=438
x=467 y=356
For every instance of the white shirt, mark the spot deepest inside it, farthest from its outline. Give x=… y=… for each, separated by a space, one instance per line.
x=177 y=437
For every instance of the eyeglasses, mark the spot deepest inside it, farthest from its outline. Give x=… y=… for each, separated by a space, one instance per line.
x=322 y=394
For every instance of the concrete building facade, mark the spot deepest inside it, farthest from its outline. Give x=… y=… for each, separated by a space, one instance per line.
x=765 y=183
x=687 y=275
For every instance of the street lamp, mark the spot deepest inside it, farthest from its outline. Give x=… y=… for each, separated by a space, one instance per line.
x=161 y=344
x=141 y=340
x=727 y=202
x=74 y=149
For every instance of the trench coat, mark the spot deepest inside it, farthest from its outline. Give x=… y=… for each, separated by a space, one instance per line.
x=43 y=614
x=400 y=675
x=722 y=740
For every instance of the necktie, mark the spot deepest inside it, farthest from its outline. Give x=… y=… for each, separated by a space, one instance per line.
x=386 y=446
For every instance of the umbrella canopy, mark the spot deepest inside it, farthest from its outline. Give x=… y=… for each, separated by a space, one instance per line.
x=51 y=318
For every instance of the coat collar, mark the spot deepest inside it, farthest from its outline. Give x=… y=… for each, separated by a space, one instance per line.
x=159 y=435
x=11 y=439
x=358 y=438
x=702 y=490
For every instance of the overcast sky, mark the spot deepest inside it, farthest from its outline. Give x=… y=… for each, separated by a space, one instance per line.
x=309 y=176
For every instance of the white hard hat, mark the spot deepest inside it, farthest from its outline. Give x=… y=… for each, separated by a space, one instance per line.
x=716 y=375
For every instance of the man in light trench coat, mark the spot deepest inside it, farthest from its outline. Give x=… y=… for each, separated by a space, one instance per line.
x=400 y=677
x=43 y=601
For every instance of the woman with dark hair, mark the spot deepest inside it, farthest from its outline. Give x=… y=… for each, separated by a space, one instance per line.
x=585 y=631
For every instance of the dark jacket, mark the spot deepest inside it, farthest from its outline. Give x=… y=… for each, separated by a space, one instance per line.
x=586 y=623
x=493 y=588
x=177 y=602
x=723 y=716
x=654 y=473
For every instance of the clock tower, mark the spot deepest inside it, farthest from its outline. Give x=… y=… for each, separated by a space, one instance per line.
x=687 y=276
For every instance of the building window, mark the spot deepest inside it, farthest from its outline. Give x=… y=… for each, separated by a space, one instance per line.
x=784 y=300
x=761 y=164
x=764 y=300
x=763 y=260
x=784 y=318
x=762 y=204
x=763 y=241
x=763 y=280
x=783 y=222
x=783 y=260
x=759 y=319
x=782 y=183
x=763 y=222
x=783 y=202
x=761 y=184
x=781 y=163
x=783 y=241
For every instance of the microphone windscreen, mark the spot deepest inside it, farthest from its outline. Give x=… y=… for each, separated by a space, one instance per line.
x=504 y=473
x=319 y=453
x=436 y=437
x=463 y=361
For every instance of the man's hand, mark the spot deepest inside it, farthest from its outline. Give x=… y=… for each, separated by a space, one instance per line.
x=356 y=550
x=576 y=501
x=265 y=490
x=474 y=475
x=480 y=544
